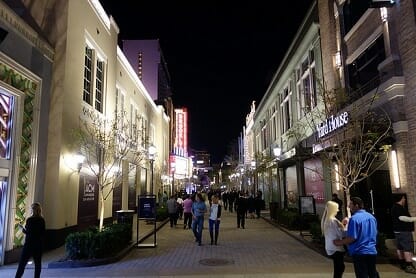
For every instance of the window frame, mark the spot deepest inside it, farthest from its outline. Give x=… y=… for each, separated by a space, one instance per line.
x=95 y=66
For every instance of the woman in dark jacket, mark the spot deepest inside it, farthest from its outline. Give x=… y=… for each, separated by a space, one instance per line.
x=35 y=231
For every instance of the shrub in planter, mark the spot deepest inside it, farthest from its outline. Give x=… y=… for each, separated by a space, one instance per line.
x=287 y=218
x=162 y=213
x=315 y=230
x=93 y=244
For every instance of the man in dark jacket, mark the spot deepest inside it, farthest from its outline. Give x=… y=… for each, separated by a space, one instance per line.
x=403 y=226
x=241 y=204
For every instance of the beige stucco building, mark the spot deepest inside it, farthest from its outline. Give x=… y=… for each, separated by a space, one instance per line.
x=90 y=75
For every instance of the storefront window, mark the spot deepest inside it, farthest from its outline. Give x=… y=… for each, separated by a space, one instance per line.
x=6 y=105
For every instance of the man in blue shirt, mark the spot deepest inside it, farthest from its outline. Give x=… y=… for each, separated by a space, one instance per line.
x=361 y=239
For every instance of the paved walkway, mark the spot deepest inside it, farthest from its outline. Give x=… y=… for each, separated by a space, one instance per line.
x=259 y=250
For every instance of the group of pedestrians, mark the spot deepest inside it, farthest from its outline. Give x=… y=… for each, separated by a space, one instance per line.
x=254 y=202
x=358 y=236
x=195 y=207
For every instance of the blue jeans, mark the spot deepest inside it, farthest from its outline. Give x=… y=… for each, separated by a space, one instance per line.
x=197 y=225
x=214 y=225
x=365 y=266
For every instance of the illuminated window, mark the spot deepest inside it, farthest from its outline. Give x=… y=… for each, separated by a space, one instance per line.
x=286 y=109
x=93 y=92
x=306 y=85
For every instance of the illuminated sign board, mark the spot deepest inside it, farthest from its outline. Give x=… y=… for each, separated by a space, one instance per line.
x=331 y=124
x=181 y=139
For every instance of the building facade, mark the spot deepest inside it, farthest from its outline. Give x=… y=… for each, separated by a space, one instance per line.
x=26 y=60
x=90 y=76
x=292 y=94
x=361 y=52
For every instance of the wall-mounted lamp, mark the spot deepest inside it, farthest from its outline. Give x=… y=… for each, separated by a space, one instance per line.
x=79 y=160
x=336 y=170
x=383 y=14
x=338 y=61
x=277 y=152
x=395 y=169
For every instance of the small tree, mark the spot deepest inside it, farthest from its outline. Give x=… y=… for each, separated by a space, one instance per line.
x=354 y=137
x=105 y=144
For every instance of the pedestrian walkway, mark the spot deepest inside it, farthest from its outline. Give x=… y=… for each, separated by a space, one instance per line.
x=259 y=250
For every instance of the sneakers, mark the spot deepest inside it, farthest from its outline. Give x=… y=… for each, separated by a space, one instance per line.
x=410 y=269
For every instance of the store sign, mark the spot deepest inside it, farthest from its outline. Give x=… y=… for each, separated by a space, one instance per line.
x=331 y=124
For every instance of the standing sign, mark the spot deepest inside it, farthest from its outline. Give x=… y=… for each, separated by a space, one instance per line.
x=146 y=210
x=306 y=207
x=146 y=207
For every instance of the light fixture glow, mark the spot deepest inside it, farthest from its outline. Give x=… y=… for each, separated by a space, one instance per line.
x=395 y=169
x=277 y=151
x=336 y=169
x=383 y=14
x=338 y=62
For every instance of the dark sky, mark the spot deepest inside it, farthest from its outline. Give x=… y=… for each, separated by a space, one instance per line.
x=221 y=56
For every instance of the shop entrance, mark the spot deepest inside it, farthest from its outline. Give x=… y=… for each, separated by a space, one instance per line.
x=3 y=231
x=376 y=193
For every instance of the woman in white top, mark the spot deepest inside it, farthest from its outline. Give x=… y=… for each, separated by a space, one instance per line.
x=214 y=219
x=333 y=229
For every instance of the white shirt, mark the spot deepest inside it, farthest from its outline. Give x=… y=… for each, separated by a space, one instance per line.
x=333 y=231
x=213 y=211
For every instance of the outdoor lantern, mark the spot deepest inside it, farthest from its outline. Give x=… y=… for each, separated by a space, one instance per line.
x=277 y=151
x=79 y=160
x=152 y=152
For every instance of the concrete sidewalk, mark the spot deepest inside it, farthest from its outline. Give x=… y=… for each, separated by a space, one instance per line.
x=259 y=250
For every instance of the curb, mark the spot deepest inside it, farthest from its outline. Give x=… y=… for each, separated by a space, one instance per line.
x=94 y=262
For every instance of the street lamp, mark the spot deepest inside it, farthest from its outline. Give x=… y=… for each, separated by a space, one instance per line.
x=152 y=153
x=253 y=175
x=173 y=165
x=277 y=152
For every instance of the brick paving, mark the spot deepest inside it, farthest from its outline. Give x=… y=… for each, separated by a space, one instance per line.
x=260 y=250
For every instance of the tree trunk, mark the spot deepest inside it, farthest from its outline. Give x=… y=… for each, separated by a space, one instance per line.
x=101 y=211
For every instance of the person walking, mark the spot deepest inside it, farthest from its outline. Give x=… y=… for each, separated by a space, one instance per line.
x=35 y=233
x=333 y=229
x=179 y=200
x=198 y=210
x=172 y=211
x=258 y=203
x=403 y=227
x=241 y=208
x=361 y=239
x=187 y=214
x=214 y=219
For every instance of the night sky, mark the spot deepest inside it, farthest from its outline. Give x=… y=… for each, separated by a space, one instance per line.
x=221 y=56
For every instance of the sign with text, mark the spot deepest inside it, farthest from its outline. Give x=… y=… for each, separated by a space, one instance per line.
x=146 y=207
x=307 y=205
x=331 y=124
x=87 y=201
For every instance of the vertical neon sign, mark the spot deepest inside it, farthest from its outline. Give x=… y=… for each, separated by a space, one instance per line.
x=181 y=140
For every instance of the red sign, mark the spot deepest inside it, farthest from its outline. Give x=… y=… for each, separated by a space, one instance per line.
x=181 y=140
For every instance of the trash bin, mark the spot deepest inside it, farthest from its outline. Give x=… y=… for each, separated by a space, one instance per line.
x=125 y=217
